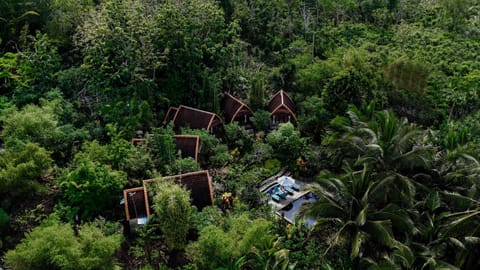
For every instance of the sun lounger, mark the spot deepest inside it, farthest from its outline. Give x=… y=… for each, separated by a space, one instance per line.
x=295 y=186
x=275 y=197
x=289 y=190
x=279 y=192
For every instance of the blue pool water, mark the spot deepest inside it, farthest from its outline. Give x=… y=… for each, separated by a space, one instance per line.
x=290 y=210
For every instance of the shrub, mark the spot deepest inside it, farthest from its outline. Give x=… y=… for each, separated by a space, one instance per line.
x=172 y=207
x=55 y=246
x=92 y=188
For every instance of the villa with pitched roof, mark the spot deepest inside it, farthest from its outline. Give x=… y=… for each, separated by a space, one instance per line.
x=198 y=183
x=189 y=117
x=236 y=110
x=282 y=108
x=189 y=145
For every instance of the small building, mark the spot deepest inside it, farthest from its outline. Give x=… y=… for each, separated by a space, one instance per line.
x=194 y=118
x=170 y=114
x=189 y=145
x=282 y=108
x=199 y=183
x=236 y=110
x=137 y=208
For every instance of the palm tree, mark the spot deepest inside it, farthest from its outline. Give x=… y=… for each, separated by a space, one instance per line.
x=351 y=203
x=386 y=142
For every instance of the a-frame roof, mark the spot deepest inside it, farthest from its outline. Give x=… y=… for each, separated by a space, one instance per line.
x=233 y=108
x=136 y=203
x=170 y=114
x=282 y=103
x=189 y=145
x=195 y=118
x=199 y=183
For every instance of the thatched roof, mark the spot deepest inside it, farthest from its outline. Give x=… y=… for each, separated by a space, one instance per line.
x=282 y=104
x=136 y=203
x=235 y=109
x=170 y=114
x=193 y=118
x=189 y=145
x=199 y=183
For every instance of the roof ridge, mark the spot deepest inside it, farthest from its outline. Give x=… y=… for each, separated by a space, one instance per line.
x=196 y=109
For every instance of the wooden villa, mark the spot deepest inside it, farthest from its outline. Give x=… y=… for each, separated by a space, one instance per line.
x=282 y=108
x=170 y=114
x=189 y=145
x=189 y=117
x=199 y=183
x=236 y=110
x=136 y=204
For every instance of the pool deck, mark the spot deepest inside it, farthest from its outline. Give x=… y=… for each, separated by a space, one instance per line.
x=290 y=198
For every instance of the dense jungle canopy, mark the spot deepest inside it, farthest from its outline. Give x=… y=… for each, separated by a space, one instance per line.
x=384 y=129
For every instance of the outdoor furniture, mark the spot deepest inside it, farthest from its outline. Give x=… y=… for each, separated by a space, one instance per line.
x=275 y=197
x=286 y=181
x=295 y=186
x=288 y=189
x=279 y=192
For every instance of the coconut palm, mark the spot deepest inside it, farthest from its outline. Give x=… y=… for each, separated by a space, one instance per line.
x=351 y=203
x=386 y=142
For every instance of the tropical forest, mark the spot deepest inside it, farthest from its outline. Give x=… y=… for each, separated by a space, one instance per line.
x=239 y=134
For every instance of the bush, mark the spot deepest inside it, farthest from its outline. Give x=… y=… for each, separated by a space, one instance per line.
x=183 y=165
x=237 y=137
x=21 y=168
x=286 y=142
x=172 y=207
x=92 y=188
x=218 y=246
x=261 y=120
x=55 y=246
x=4 y=218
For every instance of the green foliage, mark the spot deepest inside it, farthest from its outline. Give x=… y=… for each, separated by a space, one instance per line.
x=183 y=165
x=173 y=209
x=37 y=68
x=349 y=86
x=261 y=120
x=237 y=137
x=55 y=246
x=31 y=124
x=211 y=148
x=163 y=147
x=251 y=196
x=313 y=118
x=22 y=168
x=64 y=17
x=4 y=218
x=272 y=165
x=218 y=246
x=91 y=188
x=286 y=142
x=407 y=74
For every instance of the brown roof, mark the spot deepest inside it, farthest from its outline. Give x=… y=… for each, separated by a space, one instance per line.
x=199 y=183
x=189 y=145
x=281 y=103
x=170 y=114
x=234 y=108
x=136 y=141
x=136 y=203
x=195 y=118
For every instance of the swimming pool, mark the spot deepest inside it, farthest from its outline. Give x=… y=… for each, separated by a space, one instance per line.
x=290 y=211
